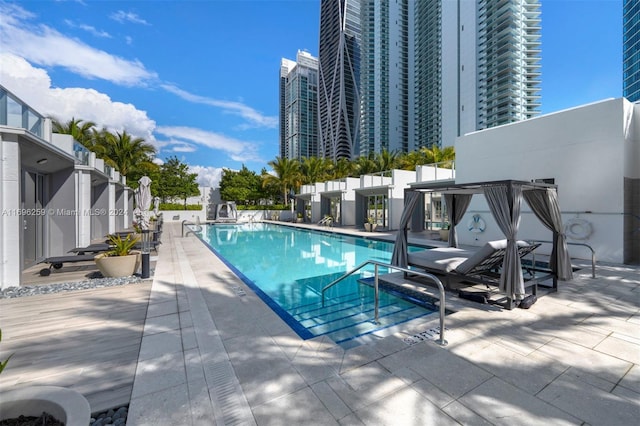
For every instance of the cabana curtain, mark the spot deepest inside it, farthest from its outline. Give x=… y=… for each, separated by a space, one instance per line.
x=544 y=203
x=400 y=255
x=504 y=202
x=457 y=205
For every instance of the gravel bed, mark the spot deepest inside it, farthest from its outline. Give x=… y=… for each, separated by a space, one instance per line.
x=113 y=417
x=13 y=292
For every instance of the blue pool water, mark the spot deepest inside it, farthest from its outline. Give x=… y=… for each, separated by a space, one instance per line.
x=288 y=267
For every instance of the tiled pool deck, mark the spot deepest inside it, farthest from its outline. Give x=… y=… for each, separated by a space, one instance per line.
x=212 y=352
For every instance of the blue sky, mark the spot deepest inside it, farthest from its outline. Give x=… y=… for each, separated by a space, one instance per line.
x=199 y=79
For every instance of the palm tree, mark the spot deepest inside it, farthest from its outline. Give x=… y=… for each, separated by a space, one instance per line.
x=342 y=168
x=81 y=130
x=386 y=160
x=124 y=152
x=410 y=160
x=365 y=164
x=314 y=169
x=287 y=176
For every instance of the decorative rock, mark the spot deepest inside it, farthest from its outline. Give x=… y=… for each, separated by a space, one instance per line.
x=13 y=292
x=111 y=417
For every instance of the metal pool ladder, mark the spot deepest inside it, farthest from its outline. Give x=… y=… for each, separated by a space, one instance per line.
x=441 y=341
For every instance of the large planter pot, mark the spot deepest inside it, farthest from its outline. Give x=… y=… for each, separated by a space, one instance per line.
x=66 y=405
x=117 y=266
x=444 y=234
x=370 y=227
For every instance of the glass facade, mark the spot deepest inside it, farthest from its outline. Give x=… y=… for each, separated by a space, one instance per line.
x=339 y=78
x=299 y=107
x=384 y=77
x=508 y=61
x=428 y=74
x=631 y=50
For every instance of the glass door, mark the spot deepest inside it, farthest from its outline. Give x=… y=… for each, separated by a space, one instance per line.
x=32 y=217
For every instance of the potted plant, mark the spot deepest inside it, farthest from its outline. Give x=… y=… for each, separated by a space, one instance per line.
x=43 y=403
x=300 y=218
x=121 y=260
x=370 y=224
x=444 y=231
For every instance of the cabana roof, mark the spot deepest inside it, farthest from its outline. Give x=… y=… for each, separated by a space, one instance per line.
x=451 y=187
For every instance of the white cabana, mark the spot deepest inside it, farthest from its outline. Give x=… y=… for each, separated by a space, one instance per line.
x=504 y=199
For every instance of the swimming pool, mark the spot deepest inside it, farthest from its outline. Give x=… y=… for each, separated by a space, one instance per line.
x=288 y=267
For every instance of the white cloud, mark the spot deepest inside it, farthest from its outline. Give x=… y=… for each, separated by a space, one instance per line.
x=207 y=176
x=122 y=17
x=236 y=149
x=183 y=147
x=237 y=108
x=88 y=28
x=33 y=86
x=47 y=47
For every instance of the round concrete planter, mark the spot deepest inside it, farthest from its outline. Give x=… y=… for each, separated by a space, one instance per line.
x=64 y=404
x=117 y=266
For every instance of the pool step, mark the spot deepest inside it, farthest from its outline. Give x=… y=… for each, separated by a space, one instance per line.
x=352 y=318
x=362 y=329
x=342 y=312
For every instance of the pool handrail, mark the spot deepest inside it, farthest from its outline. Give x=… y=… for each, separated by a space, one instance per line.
x=197 y=228
x=593 y=253
x=436 y=280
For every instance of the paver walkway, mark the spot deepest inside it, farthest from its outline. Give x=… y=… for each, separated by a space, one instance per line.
x=213 y=353
x=85 y=340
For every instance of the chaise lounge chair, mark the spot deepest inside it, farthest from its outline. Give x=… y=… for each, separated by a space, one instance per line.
x=57 y=262
x=480 y=266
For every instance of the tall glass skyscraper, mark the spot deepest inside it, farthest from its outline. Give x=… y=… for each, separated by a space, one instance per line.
x=299 y=107
x=475 y=67
x=386 y=99
x=631 y=50
x=339 y=78
x=403 y=74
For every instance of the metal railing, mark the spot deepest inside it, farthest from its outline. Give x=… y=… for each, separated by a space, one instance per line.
x=442 y=341
x=195 y=230
x=593 y=253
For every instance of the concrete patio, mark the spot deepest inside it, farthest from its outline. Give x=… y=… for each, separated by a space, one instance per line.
x=211 y=352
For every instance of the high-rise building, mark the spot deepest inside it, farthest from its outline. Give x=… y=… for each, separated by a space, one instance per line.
x=386 y=71
x=339 y=78
x=475 y=67
x=631 y=50
x=299 y=107
x=403 y=74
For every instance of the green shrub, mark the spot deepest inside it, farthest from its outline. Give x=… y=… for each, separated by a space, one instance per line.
x=3 y=364
x=272 y=207
x=178 y=206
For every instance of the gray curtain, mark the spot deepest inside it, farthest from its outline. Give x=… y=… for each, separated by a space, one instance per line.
x=544 y=203
x=504 y=202
x=400 y=256
x=457 y=205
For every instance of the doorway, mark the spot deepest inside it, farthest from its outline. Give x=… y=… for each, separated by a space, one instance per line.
x=33 y=223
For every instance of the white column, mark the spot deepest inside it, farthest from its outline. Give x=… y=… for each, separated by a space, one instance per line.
x=10 y=222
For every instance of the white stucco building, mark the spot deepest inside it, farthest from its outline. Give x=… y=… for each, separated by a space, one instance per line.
x=54 y=194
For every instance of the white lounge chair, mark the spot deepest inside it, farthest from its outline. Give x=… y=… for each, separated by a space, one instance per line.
x=479 y=266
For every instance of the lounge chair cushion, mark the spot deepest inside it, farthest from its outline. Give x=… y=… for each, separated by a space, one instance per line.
x=444 y=259
x=485 y=251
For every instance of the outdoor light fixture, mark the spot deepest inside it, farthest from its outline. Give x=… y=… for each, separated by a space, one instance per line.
x=42 y=161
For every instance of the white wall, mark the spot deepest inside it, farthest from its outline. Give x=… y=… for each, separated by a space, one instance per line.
x=11 y=222
x=582 y=149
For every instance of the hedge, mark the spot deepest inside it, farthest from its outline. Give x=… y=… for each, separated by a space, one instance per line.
x=178 y=206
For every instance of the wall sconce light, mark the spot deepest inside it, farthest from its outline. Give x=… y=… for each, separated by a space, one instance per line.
x=42 y=161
